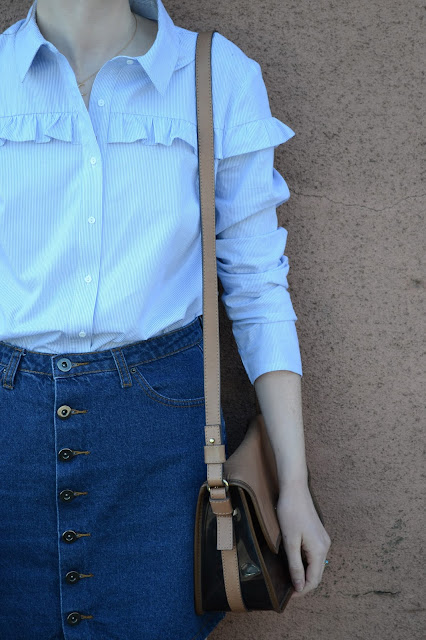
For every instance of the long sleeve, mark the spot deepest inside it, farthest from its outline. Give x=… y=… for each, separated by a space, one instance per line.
x=250 y=245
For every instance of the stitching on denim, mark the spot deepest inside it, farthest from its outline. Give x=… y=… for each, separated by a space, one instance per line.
x=83 y=373
x=137 y=364
x=165 y=355
x=13 y=359
x=126 y=371
x=42 y=373
x=115 y=352
x=189 y=402
x=6 y=371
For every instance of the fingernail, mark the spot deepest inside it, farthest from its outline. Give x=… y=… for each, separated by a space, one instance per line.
x=299 y=585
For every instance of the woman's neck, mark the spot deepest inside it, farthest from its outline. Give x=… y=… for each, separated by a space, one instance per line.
x=86 y=32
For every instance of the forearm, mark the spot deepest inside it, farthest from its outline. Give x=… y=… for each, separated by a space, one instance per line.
x=280 y=399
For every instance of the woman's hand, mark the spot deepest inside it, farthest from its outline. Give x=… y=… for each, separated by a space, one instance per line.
x=280 y=400
x=303 y=533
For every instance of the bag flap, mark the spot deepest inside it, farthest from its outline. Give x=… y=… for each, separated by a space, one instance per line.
x=252 y=467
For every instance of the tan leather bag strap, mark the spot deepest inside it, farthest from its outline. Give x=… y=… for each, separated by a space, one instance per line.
x=214 y=449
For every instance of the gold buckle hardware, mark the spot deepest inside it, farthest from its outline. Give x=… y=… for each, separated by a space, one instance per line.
x=226 y=483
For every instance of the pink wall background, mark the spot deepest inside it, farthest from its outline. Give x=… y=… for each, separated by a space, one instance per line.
x=348 y=78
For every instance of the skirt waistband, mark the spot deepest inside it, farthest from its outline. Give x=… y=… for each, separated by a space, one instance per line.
x=14 y=358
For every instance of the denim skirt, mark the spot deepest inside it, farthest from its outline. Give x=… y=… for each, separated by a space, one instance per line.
x=101 y=461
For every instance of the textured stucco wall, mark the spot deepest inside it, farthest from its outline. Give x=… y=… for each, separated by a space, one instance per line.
x=347 y=77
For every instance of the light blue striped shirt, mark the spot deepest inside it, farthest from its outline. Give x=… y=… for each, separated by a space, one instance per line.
x=100 y=241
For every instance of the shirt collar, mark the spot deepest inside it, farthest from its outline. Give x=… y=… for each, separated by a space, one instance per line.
x=159 y=62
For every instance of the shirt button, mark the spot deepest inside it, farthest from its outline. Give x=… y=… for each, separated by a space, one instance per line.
x=82 y=334
x=92 y=219
x=93 y=160
x=101 y=103
x=88 y=278
x=129 y=61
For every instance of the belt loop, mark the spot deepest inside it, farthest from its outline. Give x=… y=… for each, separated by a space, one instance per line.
x=121 y=364
x=10 y=371
x=200 y=318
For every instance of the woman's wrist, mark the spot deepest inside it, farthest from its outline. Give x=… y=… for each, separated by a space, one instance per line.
x=280 y=401
x=294 y=479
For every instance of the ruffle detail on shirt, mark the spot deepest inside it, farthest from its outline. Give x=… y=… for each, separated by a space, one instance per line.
x=40 y=127
x=253 y=136
x=130 y=127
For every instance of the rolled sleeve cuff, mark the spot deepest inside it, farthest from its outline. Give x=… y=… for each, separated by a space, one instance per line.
x=267 y=347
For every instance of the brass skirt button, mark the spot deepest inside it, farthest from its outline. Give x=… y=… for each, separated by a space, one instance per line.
x=64 y=411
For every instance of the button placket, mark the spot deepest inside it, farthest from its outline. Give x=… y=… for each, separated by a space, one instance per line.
x=70 y=536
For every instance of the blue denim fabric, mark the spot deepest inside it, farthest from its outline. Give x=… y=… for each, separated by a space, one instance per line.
x=108 y=445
